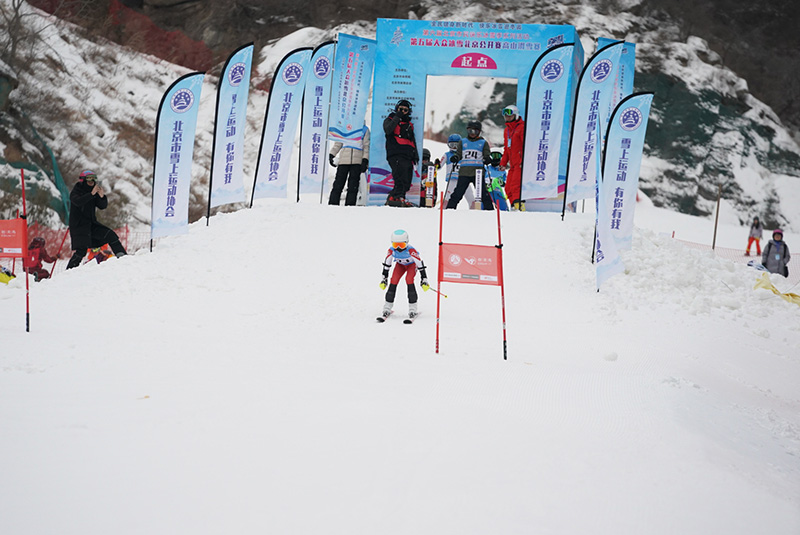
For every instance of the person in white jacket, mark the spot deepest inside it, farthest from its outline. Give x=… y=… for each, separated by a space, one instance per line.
x=352 y=162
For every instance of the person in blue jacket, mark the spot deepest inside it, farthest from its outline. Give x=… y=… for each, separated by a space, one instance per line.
x=497 y=181
x=473 y=154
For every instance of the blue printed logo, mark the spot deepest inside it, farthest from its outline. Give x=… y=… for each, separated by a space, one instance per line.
x=182 y=101
x=630 y=119
x=322 y=67
x=292 y=73
x=552 y=70
x=601 y=71
x=236 y=74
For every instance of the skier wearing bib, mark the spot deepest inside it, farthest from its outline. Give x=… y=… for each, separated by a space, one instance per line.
x=454 y=144
x=407 y=261
x=497 y=181
x=471 y=156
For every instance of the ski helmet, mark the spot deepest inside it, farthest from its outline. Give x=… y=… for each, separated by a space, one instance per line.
x=496 y=156
x=454 y=141
x=38 y=241
x=399 y=239
x=776 y=232
x=87 y=174
x=426 y=154
x=510 y=113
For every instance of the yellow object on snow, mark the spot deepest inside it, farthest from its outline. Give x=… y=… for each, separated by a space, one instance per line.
x=765 y=283
x=5 y=275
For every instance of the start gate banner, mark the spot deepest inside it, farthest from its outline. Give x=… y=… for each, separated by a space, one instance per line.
x=411 y=50
x=471 y=264
x=13 y=238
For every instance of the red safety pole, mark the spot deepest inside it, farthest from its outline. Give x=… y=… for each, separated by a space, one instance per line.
x=502 y=282
x=25 y=250
x=439 y=270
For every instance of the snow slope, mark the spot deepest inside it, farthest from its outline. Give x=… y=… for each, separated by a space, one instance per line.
x=235 y=381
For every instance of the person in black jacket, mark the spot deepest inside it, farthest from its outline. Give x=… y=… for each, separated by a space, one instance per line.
x=401 y=151
x=84 y=230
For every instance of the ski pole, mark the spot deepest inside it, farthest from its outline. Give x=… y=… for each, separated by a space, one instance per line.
x=438 y=292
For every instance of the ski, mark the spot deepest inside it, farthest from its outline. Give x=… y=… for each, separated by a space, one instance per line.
x=381 y=319
x=409 y=320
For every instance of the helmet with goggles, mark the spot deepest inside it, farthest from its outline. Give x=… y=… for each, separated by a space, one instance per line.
x=88 y=175
x=399 y=239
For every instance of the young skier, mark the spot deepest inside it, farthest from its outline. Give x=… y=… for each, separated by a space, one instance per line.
x=407 y=261
x=454 y=144
x=471 y=156
x=497 y=181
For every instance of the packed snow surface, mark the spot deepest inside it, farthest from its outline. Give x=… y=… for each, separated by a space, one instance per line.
x=235 y=380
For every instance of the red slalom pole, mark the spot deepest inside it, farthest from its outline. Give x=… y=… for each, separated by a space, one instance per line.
x=439 y=270
x=502 y=281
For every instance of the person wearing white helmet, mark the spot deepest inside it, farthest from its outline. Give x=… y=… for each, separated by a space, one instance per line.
x=407 y=262
x=513 y=141
x=776 y=254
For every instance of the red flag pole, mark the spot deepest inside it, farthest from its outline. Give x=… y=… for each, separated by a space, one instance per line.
x=25 y=252
x=439 y=270
x=502 y=281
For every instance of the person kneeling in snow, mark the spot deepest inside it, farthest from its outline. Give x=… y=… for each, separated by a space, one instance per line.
x=408 y=262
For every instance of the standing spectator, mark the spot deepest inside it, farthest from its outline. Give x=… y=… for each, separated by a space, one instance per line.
x=454 y=145
x=473 y=154
x=756 y=232
x=776 y=254
x=401 y=152
x=512 y=154
x=84 y=230
x=36 y=255
x=352 y=162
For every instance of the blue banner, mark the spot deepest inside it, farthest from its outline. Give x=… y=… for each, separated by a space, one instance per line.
x=547 y=123
x=314 y=128
x=227 y=157
x=623 y=79
x=280 y=125
x=606 y=259
x=352 y=77
x=176 y=123
x=622 y=162
x=411 y=50
x=595 y=91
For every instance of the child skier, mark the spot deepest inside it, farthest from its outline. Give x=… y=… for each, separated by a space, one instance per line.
x=407 y=262
x=497 y=181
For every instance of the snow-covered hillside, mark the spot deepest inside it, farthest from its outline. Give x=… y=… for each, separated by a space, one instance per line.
x=96 y=104
x=235 y=381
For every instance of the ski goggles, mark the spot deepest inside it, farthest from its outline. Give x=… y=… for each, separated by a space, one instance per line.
x=90 y=178
x=508 y=112
x=399 y=244
x=403 y=109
